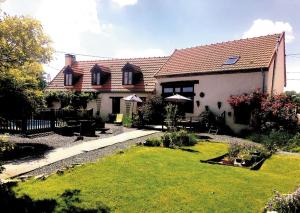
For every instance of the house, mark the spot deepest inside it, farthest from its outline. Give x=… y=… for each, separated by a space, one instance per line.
x=210 y=74
x=111 y=79
x=207 y=74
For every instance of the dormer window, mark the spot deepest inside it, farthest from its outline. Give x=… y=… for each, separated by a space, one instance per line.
x=69 y=79
x=68 y=76
x=131 y=74
x=99 y=74
x=96 y=78
x=127 y=76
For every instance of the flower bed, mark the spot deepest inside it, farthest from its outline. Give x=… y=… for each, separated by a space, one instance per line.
x=244 y=155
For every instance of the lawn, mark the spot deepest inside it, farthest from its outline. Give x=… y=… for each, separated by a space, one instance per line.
x=146 y=179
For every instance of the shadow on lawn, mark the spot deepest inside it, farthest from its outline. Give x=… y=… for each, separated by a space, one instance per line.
x=68 y=201
x=189 y=150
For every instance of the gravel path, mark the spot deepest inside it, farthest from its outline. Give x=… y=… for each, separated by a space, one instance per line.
x=55 y=140
x=87 y=157
x=223 y=138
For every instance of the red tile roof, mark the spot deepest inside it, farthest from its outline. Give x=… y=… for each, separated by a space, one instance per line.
x=253 y=53
x=148 y=66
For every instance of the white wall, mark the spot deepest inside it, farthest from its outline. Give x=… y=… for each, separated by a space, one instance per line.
x=217 y=88
x=106 y=103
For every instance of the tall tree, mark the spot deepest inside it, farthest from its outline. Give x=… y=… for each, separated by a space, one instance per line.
x=23 y=48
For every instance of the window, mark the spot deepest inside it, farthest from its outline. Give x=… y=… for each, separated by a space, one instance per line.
x=242 y=115
x=177 y=90
x=168 y=90
x=184 y=90
x=68 y=79
x=231 y=60
x=127 y=77
x=115 y=105
x=187 y=89
x=96 y=78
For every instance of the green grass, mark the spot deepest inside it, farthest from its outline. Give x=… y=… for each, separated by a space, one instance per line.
x=148 y=179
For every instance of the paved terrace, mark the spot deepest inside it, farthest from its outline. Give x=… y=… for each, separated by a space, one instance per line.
x=21 y=167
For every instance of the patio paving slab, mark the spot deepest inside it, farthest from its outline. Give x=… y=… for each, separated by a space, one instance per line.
x=21 y=167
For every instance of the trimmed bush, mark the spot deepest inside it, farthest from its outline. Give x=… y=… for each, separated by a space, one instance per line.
x=178 y=139
x=153 y=142
x=284 y=203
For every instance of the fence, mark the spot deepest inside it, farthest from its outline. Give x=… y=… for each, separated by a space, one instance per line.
x=43 y=121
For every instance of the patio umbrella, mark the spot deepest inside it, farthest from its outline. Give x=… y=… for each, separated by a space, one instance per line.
x=134 y=99
x=177 y=99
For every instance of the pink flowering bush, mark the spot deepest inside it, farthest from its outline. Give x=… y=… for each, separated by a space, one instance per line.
x=268 y=112
x=284 y=203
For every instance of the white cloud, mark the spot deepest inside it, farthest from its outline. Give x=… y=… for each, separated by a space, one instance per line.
x=123 y=3
x=265 y=26
x=131 y=53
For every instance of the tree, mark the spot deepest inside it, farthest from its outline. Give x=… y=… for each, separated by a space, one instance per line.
x=23 y=48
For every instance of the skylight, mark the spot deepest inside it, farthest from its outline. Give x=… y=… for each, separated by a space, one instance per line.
x=231 y=60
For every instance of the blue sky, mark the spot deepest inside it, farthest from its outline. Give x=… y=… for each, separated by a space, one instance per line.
x=140 y=28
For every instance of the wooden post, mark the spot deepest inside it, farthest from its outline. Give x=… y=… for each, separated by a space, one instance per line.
x=24 y=126
x=52 y=119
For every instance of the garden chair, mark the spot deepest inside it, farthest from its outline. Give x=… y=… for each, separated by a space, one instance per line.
x=119 y=119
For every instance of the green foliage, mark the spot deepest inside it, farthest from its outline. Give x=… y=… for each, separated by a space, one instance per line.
x=178 y=139
x=5 y=146
x=127 y=121
x=207 y=118
x=273 y=140
x=153 y=142
x=284 y=203
x=171 y=115
x=74 y=100
x=152 y=110
x=24 y=47
x=245 y=151
x=269 y=112
x=295 y=97
x=293 y=144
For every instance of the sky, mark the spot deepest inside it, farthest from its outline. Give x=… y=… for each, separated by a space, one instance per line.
x=144 y=28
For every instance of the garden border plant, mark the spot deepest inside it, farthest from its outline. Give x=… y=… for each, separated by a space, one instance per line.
x=245 y=155
x=273 y=118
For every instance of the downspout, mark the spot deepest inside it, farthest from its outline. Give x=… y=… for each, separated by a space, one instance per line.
x=274 y=67
x=263 y=80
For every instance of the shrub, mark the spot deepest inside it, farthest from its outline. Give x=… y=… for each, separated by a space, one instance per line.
x=277 y=140
x=245 y=151
x=268 y=112
x=293 y=144
x=284 y=203
x=153 y=142
x=74 y=99
x=152 y=110
x=166 y=140
x=206 y=118
x=127 y=121
x=5 y=146
x=171 y=115
x=178 y=139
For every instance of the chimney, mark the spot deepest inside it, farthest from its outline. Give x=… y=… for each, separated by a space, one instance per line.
x=69 y=59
